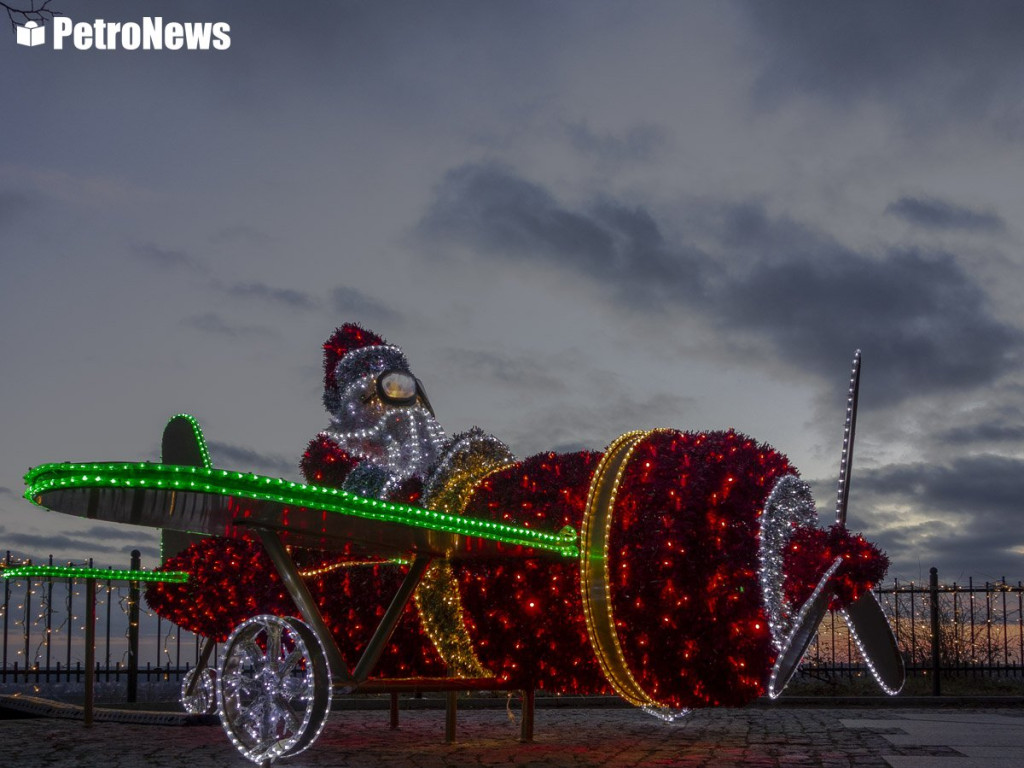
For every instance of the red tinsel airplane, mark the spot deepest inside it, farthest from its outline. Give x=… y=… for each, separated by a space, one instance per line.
x=698 y=576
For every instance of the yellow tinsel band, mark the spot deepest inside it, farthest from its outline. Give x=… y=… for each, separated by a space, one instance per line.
x=468 y=463
x=440 y=608
x=324 y=568
x=597 y=599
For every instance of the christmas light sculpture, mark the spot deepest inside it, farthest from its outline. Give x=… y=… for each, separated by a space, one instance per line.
x=678 y=569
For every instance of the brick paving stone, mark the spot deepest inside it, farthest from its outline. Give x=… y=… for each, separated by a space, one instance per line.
x=564 y=738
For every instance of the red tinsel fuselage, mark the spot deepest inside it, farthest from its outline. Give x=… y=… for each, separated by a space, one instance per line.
x=682 y=561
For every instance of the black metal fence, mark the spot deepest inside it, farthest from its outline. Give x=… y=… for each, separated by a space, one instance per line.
x=943 y=631
x=43 y=622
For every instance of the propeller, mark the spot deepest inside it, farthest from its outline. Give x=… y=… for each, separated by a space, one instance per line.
x=868 y=625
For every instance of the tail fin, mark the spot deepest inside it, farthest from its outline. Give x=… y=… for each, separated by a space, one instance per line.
x=183 y=444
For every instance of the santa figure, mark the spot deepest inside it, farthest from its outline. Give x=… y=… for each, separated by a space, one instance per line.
x=383 y=438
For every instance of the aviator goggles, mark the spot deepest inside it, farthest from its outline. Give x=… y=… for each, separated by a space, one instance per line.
x=401 y=388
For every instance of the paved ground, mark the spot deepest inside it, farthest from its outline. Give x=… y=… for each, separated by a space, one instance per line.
x=564 y=738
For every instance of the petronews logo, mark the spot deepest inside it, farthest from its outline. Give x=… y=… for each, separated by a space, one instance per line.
x=151 y=34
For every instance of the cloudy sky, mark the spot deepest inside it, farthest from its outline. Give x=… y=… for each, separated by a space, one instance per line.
x=577 y=218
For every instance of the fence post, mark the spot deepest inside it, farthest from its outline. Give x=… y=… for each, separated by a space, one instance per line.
x=90 y=649
x=933 y=595
x=7 y=605
x=49 y=618
x=27 y=628
x=133 y=631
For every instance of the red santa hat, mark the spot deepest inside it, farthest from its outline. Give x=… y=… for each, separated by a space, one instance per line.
x=345 y=339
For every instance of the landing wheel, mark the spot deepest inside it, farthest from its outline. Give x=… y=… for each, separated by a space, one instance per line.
x=203 y=697
x=273 y=688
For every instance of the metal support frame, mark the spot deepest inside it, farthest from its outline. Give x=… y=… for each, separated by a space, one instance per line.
x=451 y=687
x=394 y=710
x=134 y=597
x=374 y=649
x=358 y=677
x=90 y=651
x=451 y=713
x=340 y=671
x=933 y=605
x=204 y=659
x=526 y=728
x=304 y=602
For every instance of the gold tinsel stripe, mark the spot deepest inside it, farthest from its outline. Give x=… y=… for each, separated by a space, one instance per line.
x=437 y=597
x=597 y=603
x=327 y=568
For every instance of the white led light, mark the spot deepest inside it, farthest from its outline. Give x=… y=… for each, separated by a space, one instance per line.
x=203 y=699
x=273 y=688
x=789 y=506
x=405 y=441
x=866 y=656
x=801 y=628
x=666 y=714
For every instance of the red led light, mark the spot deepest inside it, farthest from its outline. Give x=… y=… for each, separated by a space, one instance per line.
x=682 y=557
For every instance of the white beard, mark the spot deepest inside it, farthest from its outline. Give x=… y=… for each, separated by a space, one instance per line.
x=405 y=441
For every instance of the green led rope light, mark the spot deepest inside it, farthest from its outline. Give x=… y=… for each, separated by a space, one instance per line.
x=126 y=475
x=102 y=574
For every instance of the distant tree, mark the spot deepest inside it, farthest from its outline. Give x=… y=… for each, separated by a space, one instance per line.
x=31 y=11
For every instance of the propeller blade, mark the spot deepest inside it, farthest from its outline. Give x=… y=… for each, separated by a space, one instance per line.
x=846 y=462
x=800 y=636
x=876 y=642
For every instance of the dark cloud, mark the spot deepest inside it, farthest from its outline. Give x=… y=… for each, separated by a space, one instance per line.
x=769 y=287
x=963 y=516
x=984 y=433
x=520 y=373
x=241 y=459
x=144 y=551
x=921 y=320
x=168 y=259
x=997 y=422
x=98 y=539
x=959 y=551
x=95 y=541
x=602 y=411
x=105 y=533
x=639 y=144
x=288 y=297
x=483 y=43
x=986 y=486
x=932 y=213
x=47 y=543
x=924 y=323
x=213 y=323
x=934 y=61
x=748 y=235
x=352 y=305
x=499 y=214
